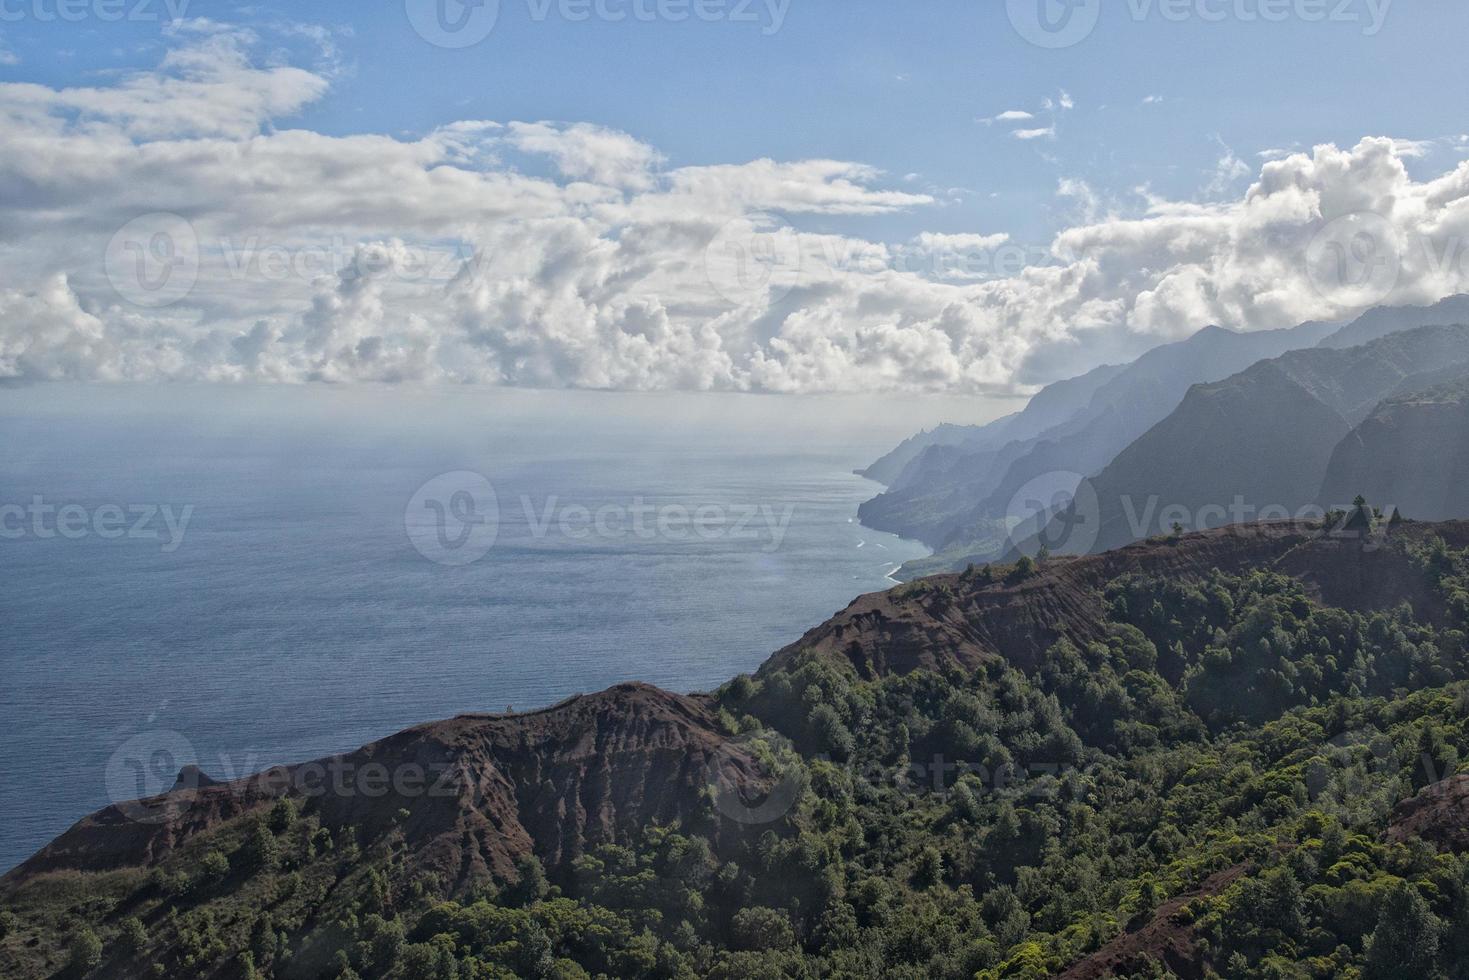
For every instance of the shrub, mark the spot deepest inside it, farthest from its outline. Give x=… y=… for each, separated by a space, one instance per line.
x=282 y=816
x=214 y=868
x=86 y=951
x=759 y=928
x=133 y=938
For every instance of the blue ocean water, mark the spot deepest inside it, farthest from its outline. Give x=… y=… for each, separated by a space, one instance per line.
x=296 y=618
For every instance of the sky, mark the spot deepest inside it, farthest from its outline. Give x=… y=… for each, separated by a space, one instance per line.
x=774 y=196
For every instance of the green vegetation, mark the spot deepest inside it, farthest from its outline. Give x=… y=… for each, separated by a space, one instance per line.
x=1230 y=752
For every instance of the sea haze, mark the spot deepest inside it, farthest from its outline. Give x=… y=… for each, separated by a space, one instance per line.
x=295 y=618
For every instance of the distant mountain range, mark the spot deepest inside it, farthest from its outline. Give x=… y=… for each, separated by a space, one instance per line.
x=1411 y=452
x=1261 y=440
x=955 y=488
x=1054 y=405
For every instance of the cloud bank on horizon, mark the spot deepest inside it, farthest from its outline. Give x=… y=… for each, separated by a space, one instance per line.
x=166 y=226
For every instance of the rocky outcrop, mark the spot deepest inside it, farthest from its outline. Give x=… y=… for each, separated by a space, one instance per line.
x=964 y=620
x=471 y=794
x=1439 y=814
x=1167 y=938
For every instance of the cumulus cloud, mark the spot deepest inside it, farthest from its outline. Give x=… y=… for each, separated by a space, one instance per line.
x=205 y=88
x=567 y=254
x=592 y=153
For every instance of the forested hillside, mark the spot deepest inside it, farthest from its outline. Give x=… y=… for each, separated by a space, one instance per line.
x=1228 y=753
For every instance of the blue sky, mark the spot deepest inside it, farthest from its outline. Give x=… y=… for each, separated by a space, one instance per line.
x=900 y=86
x=892 y=127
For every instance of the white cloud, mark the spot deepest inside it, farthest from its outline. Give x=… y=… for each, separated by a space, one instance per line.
x=592 y=153
x=933 y=240
x=1413 y=148
x=205 y=88
x=1051 y=107
x=1227 y=173
x=364 y=257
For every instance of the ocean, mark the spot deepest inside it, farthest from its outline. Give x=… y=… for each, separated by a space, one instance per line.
x=241 y=577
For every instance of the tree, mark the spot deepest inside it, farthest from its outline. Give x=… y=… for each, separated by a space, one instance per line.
x=385 y=940
x=133 y=938
x=248 y=969
x=531 y=887
x=760 y=928
x=282 y=816
x=929 y=869
x=1404 y=946
x=742 y=688
x=8 y=922
x=342 y=967
x=433 y=960
x=831 y=735
x=86 y=951
x=214 y=868
x=259 y=850
x=1436 y=758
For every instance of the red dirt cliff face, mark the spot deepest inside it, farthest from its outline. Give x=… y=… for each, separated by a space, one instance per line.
x=479 y=791
x=949 y=619
x=1439 y=814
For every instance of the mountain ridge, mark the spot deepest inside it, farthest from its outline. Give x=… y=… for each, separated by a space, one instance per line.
x=1247 y=668
x=1263 y=437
